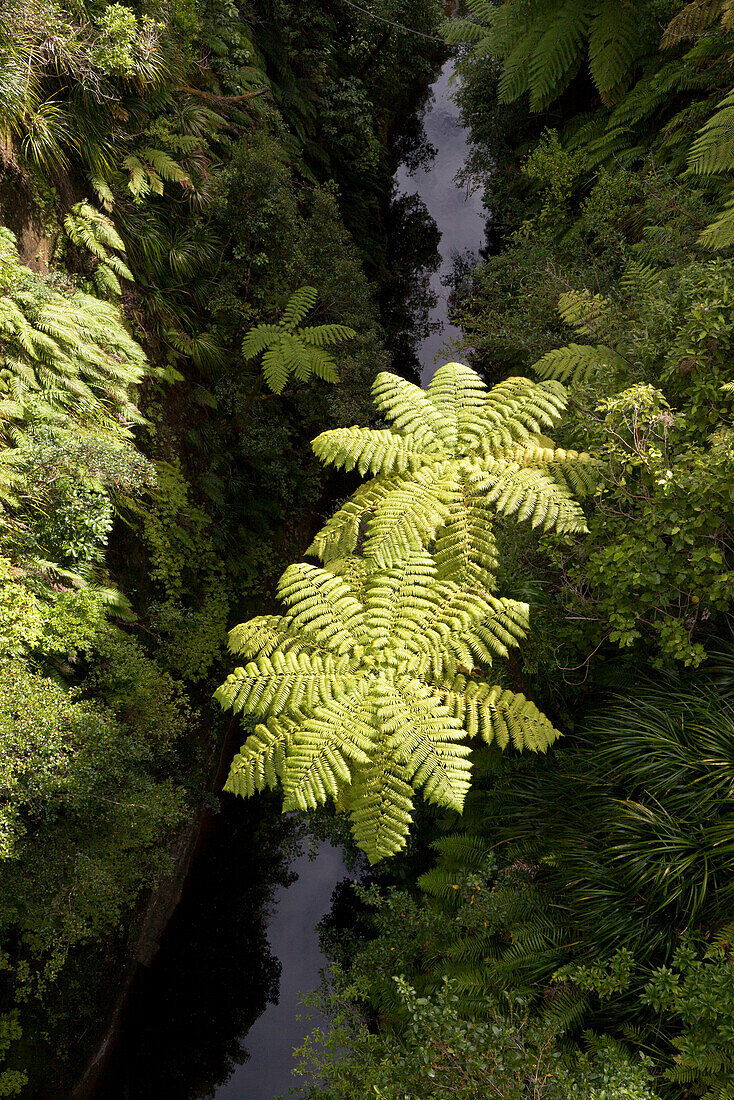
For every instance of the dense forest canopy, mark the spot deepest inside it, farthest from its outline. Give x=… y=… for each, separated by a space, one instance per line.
x=199 y=276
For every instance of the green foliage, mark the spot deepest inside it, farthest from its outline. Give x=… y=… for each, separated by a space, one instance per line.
x=12 y=1081
x=429 y=1042
x=93 y=232
x=542 y=46
x=456 y=457
x=290 y=348
x=697 y=990
x=367 y=695
x=63 y=354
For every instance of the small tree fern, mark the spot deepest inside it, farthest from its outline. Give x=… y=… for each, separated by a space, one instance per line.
x=456 y=456
x=93 y=232
x=289 y=349
x=369 y=686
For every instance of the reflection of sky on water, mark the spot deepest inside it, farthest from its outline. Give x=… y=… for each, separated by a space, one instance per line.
x=294 y=940
x=460 y=217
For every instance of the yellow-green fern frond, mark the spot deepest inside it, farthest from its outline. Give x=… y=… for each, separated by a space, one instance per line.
x=448 y=462
x=360 y=679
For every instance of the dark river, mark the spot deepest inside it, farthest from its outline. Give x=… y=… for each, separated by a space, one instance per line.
x=216 y=1015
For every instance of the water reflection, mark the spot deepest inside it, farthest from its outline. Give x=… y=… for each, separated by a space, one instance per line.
x=215 y=972
x=457 y=213
x=294 y=939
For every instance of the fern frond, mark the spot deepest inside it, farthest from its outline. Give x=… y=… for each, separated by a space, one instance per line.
x=380 y=802
x=459 y=395
x=614 y=44
x=408 y=517
x=465 y=549
x=528 y=493
x=693 y=20
x=411 y=410
x=495 y=714
x=299 y=305
x=258 y=339
x=577 y=364
x=261 y=761
x=720 y=233
x=339 y=536
x=378 y=450
x=275 y=367
x=583 y=311
x=713 y=149
x=558 y=51
x=321 y=335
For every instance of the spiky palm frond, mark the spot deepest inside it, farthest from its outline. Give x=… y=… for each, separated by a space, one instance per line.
x=288 y=349
x=456 y=456
x=361 y=687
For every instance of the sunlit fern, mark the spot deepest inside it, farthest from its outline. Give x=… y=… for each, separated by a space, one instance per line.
x=456 y=456
x=94 y=232
x=369 y=685
x=62 y=355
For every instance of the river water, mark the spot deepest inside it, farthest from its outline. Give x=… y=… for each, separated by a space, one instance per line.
x=217 y=1015
x=457 y=212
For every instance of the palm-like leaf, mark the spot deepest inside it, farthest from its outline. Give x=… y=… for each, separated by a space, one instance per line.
x=363 y=685
x=455 y=456
x=288 y=349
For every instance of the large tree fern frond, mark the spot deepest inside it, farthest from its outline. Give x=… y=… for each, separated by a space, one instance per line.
x=713 y=149
x=380 y=802
x=339 y=537
x=408 y=518
x=465 y=548
x=496 y=714
x=720 y=233
x=299 y=306
x=261 y=761
x=459 y=395
x=614 y=45
x=558 y=51
x=410 y=409
x=374 y=450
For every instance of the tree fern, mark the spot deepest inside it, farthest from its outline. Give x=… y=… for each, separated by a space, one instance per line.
x=289 y=349
x=62 y=354
x=364 y=700
x=456 y=456
x=578 y=363
x=613 y=44
x=94 y=232
x=543 y=45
